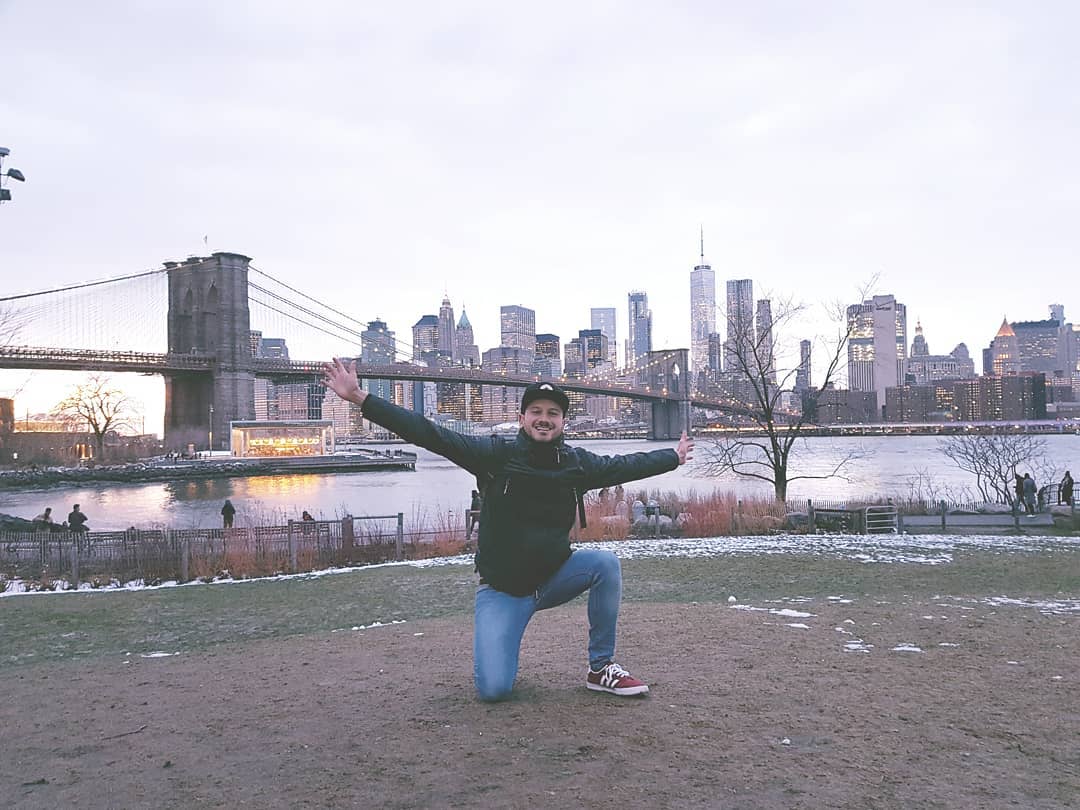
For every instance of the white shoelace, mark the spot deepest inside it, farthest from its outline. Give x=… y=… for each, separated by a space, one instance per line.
x=614 y=671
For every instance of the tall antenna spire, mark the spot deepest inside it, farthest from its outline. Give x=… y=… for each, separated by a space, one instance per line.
x=702 y=243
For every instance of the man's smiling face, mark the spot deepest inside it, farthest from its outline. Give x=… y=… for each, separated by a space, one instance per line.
x=543 y=420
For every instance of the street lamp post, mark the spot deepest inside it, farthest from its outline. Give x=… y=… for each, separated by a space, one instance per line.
x=14 y=174
x=210 y=440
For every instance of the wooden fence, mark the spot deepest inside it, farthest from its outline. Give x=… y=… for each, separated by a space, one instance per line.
x=154 y=555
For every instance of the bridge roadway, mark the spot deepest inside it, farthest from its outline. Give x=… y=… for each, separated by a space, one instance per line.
x=45 y=358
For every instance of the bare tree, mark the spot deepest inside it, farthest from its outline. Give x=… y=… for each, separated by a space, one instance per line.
x=996 y=459
x=759 y=384
x=98 y=405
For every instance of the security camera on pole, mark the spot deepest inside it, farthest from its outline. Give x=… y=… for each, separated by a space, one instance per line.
x=14 y=174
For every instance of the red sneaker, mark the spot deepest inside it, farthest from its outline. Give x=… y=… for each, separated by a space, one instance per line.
x=613 y=678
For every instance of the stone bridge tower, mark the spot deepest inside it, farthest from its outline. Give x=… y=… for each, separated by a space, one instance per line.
x=208 y=316
x=669 y=369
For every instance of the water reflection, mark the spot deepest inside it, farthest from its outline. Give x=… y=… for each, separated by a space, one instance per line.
x=274 y=487
x=199 y=489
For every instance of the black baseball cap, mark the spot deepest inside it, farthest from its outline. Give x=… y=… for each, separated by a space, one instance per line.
x=545 y=390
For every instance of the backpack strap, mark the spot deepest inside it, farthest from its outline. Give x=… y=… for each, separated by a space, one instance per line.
x=580 y=507
x=500 y=449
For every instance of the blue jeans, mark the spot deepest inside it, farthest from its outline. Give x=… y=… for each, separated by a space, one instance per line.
x=501 y=619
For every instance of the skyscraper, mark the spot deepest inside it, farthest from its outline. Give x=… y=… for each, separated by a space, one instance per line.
x=574 y=358
x=603 y=318
x=548 y=361
x=877 y=345
x=702 y=311
x=764 y=347
x=500 y=402
x=594 y=348
x=740 y=322
x=446 y=329
x=716 y=356
x=639 y=343
x=1004 y=352
x=274 y=347
x=517 y=327
x=299 y=400
x=425 y=336
x=1040 y=345
x=377 y=349
x=919 y=346
x=802 y=373
x=466 y=352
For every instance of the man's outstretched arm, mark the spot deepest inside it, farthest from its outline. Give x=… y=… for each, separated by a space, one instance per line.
x=472 y=453
x=607 y=471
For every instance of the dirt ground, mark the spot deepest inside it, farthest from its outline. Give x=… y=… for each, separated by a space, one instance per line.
x=745 y=712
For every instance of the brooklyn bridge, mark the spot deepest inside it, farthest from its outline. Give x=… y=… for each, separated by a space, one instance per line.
x=208 y=364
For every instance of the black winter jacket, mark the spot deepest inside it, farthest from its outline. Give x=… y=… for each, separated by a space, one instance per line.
x=530 y=504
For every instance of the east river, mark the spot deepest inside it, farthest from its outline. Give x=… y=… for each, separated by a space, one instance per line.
x=439 y=491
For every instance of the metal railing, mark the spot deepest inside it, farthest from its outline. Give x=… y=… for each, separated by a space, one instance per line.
x=185 y=554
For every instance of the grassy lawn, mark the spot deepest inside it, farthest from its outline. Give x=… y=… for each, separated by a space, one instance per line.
x=71 y=626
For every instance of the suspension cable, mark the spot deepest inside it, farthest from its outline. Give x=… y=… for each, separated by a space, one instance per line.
x=305 y=310
x=316 y=327
x=298 y=292
x=82 y=286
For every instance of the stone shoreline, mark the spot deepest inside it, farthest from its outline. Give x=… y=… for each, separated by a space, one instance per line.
x=138 y=473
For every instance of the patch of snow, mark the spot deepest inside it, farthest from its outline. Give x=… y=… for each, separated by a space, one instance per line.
x=799 y=625
x=786 y=612
x=1048 y=607
x=948 y=644
x=158 y=654
x=883 y=549
x=370 y=626
x=906 y=648
x=858 y=645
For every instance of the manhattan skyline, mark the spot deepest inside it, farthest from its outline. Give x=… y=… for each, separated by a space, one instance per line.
x=387 y=157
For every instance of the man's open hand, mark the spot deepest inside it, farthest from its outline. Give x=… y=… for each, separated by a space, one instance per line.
x=341 y=379
x=685 y=448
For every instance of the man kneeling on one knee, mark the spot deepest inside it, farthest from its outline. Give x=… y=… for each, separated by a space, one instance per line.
x=533 y=491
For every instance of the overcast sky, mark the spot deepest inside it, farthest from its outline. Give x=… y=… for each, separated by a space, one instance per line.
x=555 y=156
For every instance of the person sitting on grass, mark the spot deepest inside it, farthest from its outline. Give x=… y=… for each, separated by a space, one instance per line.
x=44 y=520
x=533 y=493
